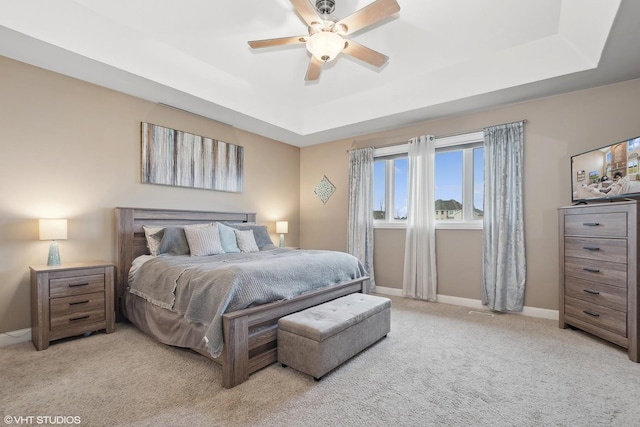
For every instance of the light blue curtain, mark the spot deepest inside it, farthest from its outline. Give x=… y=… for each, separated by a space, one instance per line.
x=360 y=232
x=420 y=278
x=504 y=265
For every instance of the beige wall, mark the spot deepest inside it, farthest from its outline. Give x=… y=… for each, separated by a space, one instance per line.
x=557 y=128
x=71 y=149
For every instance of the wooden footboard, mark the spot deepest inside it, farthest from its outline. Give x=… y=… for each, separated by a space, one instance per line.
x=250 y=335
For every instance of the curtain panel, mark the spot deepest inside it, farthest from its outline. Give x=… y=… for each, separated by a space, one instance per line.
x=504 y=264
x=360 y=223
x=420 y=277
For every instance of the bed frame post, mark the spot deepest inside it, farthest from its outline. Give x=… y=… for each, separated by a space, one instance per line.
x=124 y=255
x=235 y=366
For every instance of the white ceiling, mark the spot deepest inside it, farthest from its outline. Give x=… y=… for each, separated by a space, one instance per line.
x=447 y=57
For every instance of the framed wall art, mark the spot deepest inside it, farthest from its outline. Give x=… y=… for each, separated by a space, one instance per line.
x=181 y=159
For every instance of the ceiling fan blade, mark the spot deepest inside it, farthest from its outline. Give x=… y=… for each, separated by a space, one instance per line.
x=306 y=11
x=365 y=54
x=313 y=72
x=277 y=42
x=369 y=15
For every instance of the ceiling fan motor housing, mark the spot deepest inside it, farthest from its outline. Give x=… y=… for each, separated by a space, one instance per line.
x=325 y=7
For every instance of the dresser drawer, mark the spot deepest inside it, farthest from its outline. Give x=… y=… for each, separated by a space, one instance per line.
x=613 y=297
x=614 y=250
x=610 y=273
x=597 y=225
x=76 y=310
x=602 y=317
x=76 y=285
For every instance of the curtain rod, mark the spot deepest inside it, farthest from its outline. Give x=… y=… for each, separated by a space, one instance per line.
x=523 y=121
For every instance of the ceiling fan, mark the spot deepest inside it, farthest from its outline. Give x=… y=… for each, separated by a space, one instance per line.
x=326 y=41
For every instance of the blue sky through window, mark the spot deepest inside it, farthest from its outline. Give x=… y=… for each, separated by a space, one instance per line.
x=448 y=176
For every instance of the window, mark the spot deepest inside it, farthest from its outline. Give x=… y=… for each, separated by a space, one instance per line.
x=390 y=185
x=458 y=178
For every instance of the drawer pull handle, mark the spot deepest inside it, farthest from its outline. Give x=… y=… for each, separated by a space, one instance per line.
x=75 y=285
x=589 y=291
x=591 y=248
x=590 y=313
x=591 y=224
x=79 y=302
x=591 y=270
x=73 y=319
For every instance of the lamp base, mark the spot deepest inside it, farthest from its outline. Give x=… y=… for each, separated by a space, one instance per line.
x=282 y=240
x=54 y=254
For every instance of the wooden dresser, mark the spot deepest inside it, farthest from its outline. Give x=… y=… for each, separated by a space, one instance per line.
x=598 y=271
x=70 y=299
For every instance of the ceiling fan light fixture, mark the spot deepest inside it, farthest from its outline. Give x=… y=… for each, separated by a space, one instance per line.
x=325 y=45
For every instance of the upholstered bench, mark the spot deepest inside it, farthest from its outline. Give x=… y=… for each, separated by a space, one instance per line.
x=321 y=338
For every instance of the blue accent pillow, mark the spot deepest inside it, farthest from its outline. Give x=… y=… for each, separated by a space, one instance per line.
x=228 y=238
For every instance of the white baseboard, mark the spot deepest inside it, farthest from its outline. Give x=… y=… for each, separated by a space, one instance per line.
x=15 y=337
x=542 y=313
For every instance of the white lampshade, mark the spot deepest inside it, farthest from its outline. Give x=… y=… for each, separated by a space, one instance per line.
x=282 y=227
x=325 y=45
x=53 y=229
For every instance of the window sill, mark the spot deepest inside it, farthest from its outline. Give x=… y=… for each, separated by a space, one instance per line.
x=443 y=225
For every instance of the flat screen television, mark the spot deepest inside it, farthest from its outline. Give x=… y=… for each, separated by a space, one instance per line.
x=606 y=173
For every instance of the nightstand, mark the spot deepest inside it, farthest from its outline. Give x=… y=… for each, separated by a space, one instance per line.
x=70 y=299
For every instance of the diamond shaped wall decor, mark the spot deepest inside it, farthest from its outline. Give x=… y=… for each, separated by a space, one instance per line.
x=324 y=189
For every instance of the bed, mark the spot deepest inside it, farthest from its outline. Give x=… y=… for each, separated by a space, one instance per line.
x=248 y=334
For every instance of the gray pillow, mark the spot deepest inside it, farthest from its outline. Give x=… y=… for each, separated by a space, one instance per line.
x=263 y=240
x=174 y=242
x=228 y=238
x=203 y=241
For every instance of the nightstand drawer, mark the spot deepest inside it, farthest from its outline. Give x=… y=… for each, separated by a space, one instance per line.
x=78 y=309
x=68 y=286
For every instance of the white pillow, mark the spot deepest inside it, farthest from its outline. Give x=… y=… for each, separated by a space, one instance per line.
x=203 y=240
x=246 y=241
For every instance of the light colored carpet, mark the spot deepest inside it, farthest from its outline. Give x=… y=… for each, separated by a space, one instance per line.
x=439 y=365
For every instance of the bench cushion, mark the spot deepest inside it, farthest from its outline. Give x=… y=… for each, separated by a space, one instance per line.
x=323 y=321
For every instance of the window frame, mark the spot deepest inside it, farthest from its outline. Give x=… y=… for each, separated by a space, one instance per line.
x=389 y=154
x=466 y=142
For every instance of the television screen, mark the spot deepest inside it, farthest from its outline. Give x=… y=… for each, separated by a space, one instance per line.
x=610 y=172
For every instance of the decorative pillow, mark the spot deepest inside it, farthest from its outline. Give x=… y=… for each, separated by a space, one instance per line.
x=174 y=242
x=154 y=238
x=263 y=240
x=228 y=238
x=203 y=240
x=246 y=241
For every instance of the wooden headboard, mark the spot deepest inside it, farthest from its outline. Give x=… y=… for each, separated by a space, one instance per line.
x=131 y=242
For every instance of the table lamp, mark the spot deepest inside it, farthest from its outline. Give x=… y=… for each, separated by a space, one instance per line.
x=53 y=229
x=282 y=228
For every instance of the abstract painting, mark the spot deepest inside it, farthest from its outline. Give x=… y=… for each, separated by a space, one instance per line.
x=181 y=159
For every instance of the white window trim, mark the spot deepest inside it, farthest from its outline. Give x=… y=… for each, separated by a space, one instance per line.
x=451 y=141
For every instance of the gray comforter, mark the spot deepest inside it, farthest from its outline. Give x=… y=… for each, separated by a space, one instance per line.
x=202 y=289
